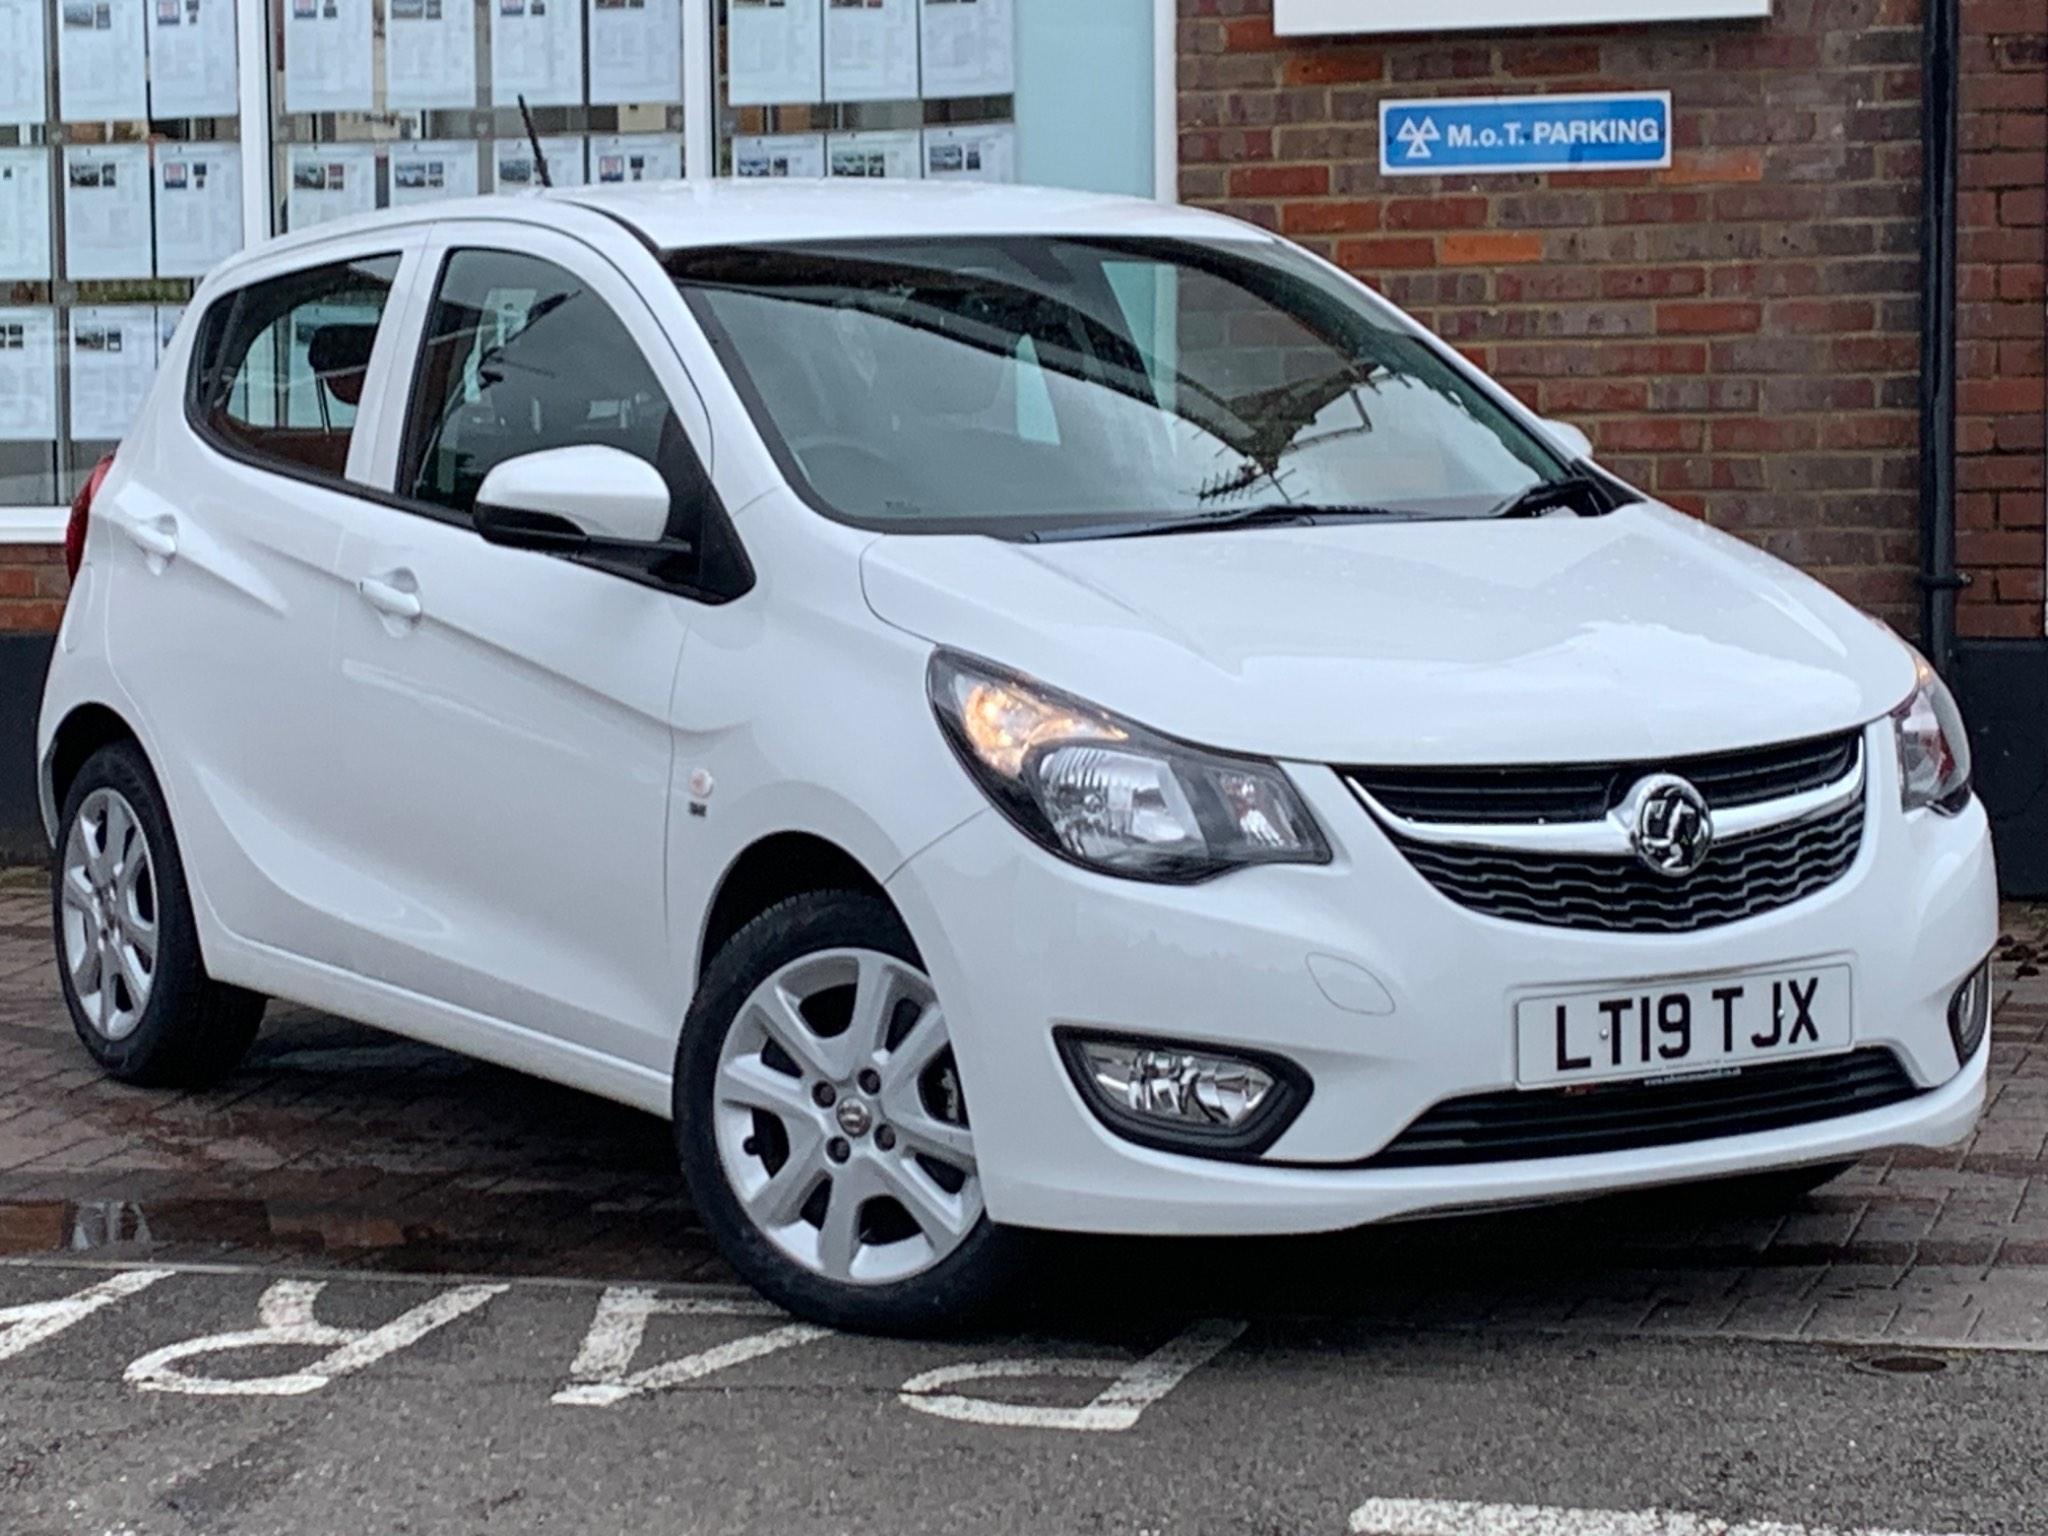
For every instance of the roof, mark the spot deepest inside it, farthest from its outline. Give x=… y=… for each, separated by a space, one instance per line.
x=680 y=214
x=700 y=213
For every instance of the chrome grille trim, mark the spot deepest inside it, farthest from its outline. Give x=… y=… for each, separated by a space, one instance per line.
x=1608 y=837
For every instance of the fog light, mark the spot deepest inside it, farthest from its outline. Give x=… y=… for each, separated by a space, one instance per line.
x=1185 y=1098
x=1969 y=1013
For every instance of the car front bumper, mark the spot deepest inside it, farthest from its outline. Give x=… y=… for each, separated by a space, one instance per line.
x=1020 y=943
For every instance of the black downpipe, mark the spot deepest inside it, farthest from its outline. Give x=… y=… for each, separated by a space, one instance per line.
x=1941 y=112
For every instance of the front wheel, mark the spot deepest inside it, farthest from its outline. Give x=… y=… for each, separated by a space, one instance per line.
x=822 y=1126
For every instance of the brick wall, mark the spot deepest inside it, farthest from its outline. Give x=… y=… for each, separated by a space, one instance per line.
x=31 y=588
x=2002 y=487
x=1739 y=333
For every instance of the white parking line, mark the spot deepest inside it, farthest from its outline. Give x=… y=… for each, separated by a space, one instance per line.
x=24 y=1327
x=1135 y=1386
x=600 y=1374
x=286 y=1313
x=1439 y=1517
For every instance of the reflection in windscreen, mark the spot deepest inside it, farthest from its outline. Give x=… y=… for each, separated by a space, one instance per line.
x=1029 y=383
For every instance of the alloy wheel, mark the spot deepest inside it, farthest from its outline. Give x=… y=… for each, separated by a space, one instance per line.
x=839 y=1119
x=109 y=913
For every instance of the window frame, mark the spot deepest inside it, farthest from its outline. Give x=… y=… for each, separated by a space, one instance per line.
x=731 y=574
x=401 y=242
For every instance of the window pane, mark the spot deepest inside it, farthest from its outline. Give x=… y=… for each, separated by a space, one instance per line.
x=283 y=363
x=521 y=356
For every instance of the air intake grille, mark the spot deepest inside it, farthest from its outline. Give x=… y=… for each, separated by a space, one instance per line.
x=1588 y=791
x=1560 y=1122
x=1741 y=878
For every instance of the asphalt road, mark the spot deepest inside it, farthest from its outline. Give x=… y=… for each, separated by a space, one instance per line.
x=427 y=1406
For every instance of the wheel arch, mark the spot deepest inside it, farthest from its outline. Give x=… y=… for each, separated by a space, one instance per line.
x=774 y=868
x=83 y=731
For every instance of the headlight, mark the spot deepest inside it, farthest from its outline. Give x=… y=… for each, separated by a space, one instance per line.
x=1110 y=794
x=1934 y=750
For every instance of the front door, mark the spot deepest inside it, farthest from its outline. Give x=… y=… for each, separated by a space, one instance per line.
x=507 y=712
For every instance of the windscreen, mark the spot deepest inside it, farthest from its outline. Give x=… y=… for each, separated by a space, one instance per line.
x=1025 y=386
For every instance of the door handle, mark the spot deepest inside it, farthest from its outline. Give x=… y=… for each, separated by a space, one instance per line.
x=157 y=537
x=385 y=595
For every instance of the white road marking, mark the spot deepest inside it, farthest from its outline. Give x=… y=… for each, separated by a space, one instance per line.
x=1134 y=1387
x=286 y=1313
x=24 y=1327
x=1439 y=1517
x=602 y=1365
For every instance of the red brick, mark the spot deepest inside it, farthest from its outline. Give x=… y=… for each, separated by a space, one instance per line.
x=1489 y=249
x=1709 y=318
x=1280 y=181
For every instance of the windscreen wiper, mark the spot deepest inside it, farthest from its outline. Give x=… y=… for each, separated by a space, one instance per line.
x=1277 y=514
x=1582 y=493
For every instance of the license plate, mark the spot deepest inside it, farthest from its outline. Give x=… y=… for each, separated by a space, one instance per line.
x=1655 y=1029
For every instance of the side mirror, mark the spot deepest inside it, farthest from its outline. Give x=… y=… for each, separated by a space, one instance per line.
x=570 y=499
x=1570 y=440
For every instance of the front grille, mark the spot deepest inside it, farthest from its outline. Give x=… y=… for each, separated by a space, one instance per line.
x=1561 y=1122
x=1743 y=877
x=1588 y=791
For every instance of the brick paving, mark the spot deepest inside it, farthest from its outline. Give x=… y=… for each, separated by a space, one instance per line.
x=339 y=1147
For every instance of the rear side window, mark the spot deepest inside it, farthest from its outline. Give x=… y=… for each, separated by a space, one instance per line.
x=521 y=356
x=279 y=367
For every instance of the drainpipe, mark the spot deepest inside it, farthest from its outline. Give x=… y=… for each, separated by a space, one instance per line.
x=1940 y=113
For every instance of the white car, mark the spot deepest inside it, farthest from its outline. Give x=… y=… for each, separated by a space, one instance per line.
x=993 y=710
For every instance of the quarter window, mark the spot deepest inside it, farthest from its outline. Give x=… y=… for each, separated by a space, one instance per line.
x=280 y=365
x=520 y=356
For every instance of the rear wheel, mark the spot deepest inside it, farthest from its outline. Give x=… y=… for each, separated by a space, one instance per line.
x=822 y=1126
x=127 y=951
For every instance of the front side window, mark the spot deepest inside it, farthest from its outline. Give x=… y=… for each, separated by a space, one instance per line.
x=279 y=370
x=1028 y=386
x=520 y=356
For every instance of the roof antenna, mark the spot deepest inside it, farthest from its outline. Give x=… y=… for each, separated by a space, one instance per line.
x=540 y=161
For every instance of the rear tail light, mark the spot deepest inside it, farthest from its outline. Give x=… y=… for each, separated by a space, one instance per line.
x=81 y=513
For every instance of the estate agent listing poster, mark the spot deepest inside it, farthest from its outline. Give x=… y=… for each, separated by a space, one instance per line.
x=427 y=170
x=25 y=214
x=113 y=359
x=776 y=50
x=429 y=54
x=636 y=51
x=100 y=74
x=969 y=47
x=327 y=54
x=512 y=162
x=22 y=98
x=198 y=207
x=971 y=152
x=330 y=181
x=28 y=375
x=106 y=211
x=779 y=155
x=620 y=158
x=870 y=50
x=537 y=52
x=886 y=154
x=192 y=58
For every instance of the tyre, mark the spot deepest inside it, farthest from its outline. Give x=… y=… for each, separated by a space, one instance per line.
x=127 y=952
x=822 y=1127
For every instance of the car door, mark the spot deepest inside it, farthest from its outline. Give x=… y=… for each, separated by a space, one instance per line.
x=507 y=712
x=229 y=530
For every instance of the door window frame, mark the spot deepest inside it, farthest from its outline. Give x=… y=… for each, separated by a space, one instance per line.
x=403 y=242
x=391 y=412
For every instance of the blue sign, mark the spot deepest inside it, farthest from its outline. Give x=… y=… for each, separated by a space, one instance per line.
x=1526 y=133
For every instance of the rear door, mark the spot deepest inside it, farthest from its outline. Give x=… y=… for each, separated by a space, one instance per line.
x=506 y=712
x=228 y=528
